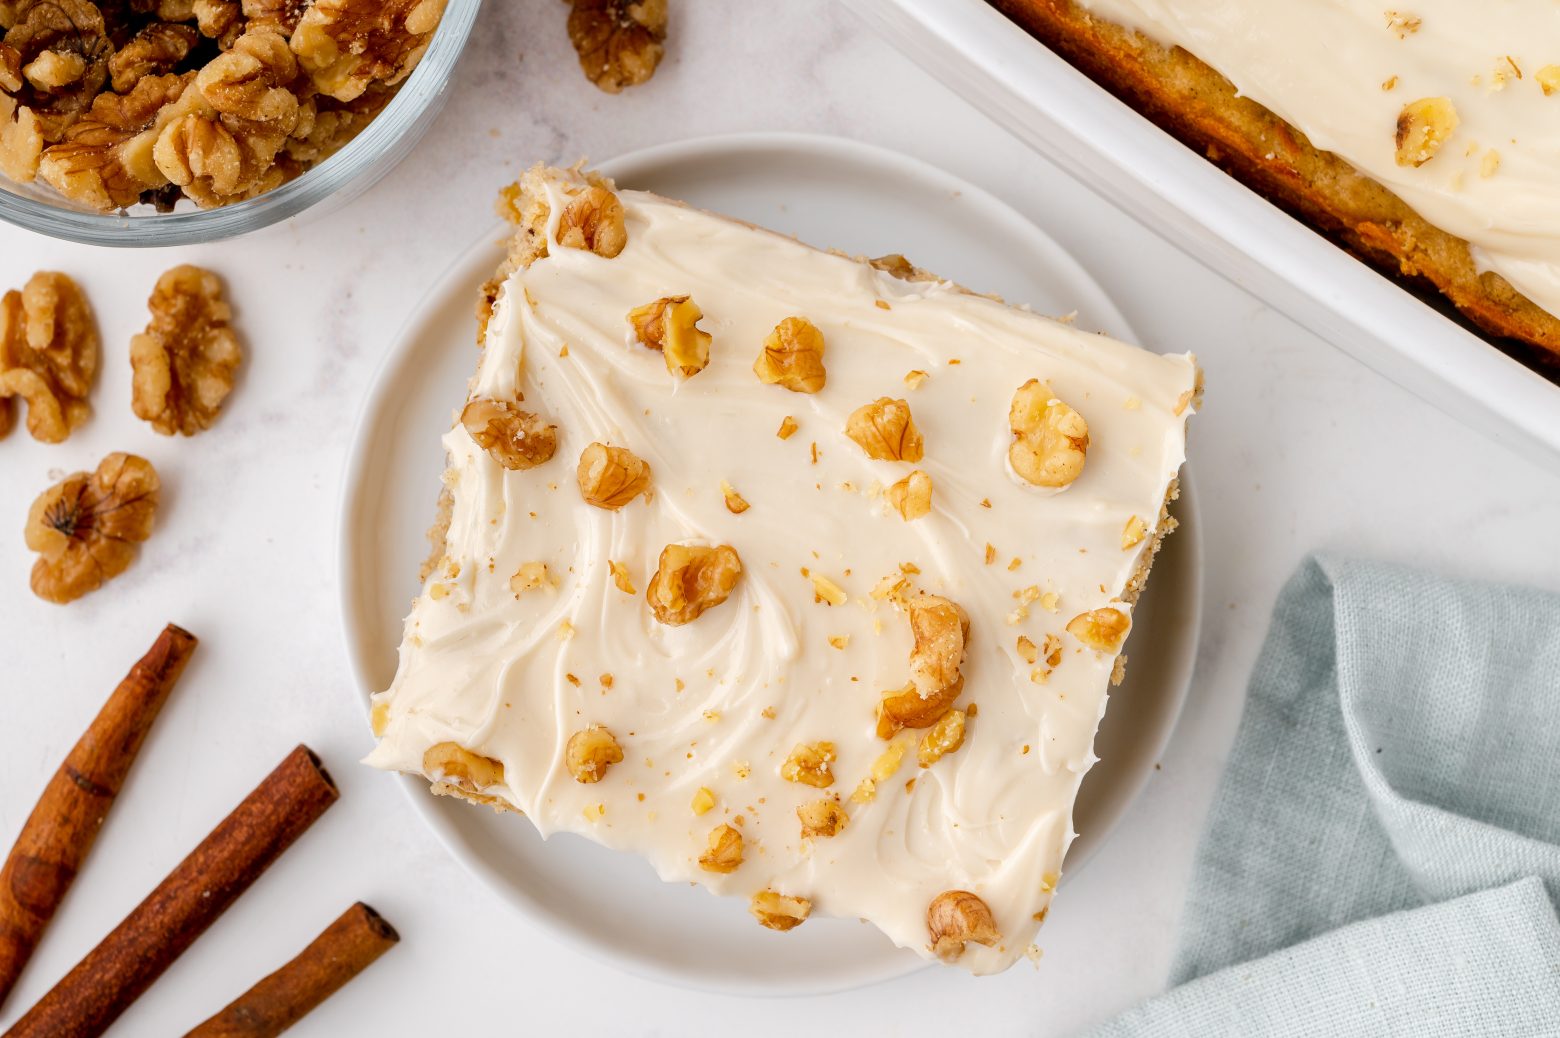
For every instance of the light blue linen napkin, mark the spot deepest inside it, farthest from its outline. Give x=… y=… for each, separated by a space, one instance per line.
x=1383 y=854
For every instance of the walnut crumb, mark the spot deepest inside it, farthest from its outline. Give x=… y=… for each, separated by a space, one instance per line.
x=779 y=911
x=1423 y=127
x=723 y=851
x=810 y=765
x=1133 y=532
x=736 y=504
x=822 y=819
x=787 y=427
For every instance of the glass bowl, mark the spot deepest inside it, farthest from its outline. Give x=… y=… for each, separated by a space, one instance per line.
x=387 y=139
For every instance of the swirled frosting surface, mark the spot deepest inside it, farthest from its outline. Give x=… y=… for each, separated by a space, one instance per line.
x=720 y=703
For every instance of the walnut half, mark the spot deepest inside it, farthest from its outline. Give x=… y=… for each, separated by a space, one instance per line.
x=618 y=41
x=690 y=579
x=85 y=527
x=183 y=363
x=611 y=477
x=48 y=355
x=590 y=752
x=1050 y=439
x=670 y=325
x=956 y=917
x=792 y=357
x=885 y=430
x=514 y=438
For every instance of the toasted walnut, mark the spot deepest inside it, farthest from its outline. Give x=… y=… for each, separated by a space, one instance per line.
x=885 y=430
x=941 y=631
x=620 y=577
x=788 y=427
x=941 y=739
x=611 y=477
x=281 y=15
x=532 y=576
x=736 y=504
x=810 y=764
x=1133 y=533
x=590 y=752
x=21 y=141
x=85 y=527
x=779 y=911
x=156 y=49
x=792 y=357
x=514 y=438
x=326 y=125
x=346 y=45
x=822 y=818
x=1103 y=629
x=184 y=362
x=895 y=265
x=907 y=708
x=1422 y=127
x=453 y=763
x=106 y=159
x=61 y=48
x=956 y=917
x=593 y=221
x=703 y=801
x=724 y=851
x=691 y=578
x=1027 y=650
x=215 y=18
x=250 y=81
x=827 y=591
x=1548 y=79
x=618 y=41
x=912 y=496
x=1050 y=439
x=670 y=326
x=48 y=355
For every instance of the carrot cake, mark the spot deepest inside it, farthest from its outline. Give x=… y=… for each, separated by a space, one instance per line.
x=802 y=576
x=1420 y=137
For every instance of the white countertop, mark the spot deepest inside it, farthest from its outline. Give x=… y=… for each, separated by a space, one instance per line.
x=1299 y=448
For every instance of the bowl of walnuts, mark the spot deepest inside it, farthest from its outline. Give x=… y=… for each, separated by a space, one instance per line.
x=168 y=122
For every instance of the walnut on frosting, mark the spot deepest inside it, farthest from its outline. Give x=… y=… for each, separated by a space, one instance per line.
x=590 y=752
x=778 y=911
x=940 y=629
x=593 y=221
x=822 y=819
x=956 y=918
x=810 y=764
x=886 y=430
x=911 y=497
x=610 y=477
x=1050 y=439
x=670 y=326
x=514 y=438
x=792 y=357
x=723 y=852
x=690 y=579
x=1103 y=629
x=1423 y=126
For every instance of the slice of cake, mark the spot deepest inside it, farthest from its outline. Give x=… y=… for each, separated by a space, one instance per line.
x=1421 y=138
x=803 y=577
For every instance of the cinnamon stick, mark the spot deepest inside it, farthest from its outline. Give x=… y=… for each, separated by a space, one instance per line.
x=358 y=937
x=195 y=893
x=59 y=832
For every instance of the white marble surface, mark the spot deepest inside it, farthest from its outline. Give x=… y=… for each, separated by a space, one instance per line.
x=1298 y=449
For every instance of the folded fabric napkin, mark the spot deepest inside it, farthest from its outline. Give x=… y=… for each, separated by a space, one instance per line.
x=1383 y=854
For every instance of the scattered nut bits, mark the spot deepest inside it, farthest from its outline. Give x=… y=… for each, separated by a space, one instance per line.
x=48 y=355
x=911 y=497
x=618 y=41
x=590 y=752
x=514 y=438
x=183 y=363
x=1422 y=127
x=941 y=739
x=956 y=917
x=885 y=430
x=792 y=357
x=621 y=578
x=85 y=527
x=809 y=764
x=690 y=579
x=736 y=504
x=1050 y=439
x=779 y=911
x=670 y=326
x=1027 y=650
x=822 y=818
x=1103 y=629
x=593 y=221
x=611 y=477
x=347 y=45
x=724 y=853
x=453 y=763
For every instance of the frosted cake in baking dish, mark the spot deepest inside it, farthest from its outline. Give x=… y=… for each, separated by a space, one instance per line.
x=803 y=577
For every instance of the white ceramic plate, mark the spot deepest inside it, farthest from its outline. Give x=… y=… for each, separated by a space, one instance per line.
x=1173 y=190
x=831 y=193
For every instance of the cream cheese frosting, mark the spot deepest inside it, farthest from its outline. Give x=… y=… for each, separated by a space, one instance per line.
x=719 y=704
x=1321 y=65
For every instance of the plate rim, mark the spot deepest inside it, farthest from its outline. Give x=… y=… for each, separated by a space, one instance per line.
x=359 y=454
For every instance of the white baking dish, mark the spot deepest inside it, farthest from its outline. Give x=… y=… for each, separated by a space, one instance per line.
x=1166 y=186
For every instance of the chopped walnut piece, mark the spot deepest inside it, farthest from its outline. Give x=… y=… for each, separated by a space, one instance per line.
x=912 y=496
x=885 y=430
x=1027 y=650
x=85 y=527
x=156 y=49
x=514 y=438
x=779 y=911
x=590 y=752
x=703 y=801
x=48 y=355
x=281 y=15
x=61 y=48
x=810 y=765
x=1548 y=79
x=941 y=630
x=690 y=579
x=620 y=577
x=736 y=504
x=453 y=763
x=593 y=221
x=619 y=42
x=1422 y=127
x=1133 y=533
x=822 y=818
x=532 y=576
x=895 y=265
x=21 y=141
x=723 y=853
x=215 y=18
x=346 y=45
x=942 y=738
x=1103 y=629
x=611 y=477
x=827 y=591
x=183 y=363
x=106 y=159
x=1050 y=439
x=906 y=708
x=670 y=326
x=792 y=357
x=956 y=917
x=787 y=427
